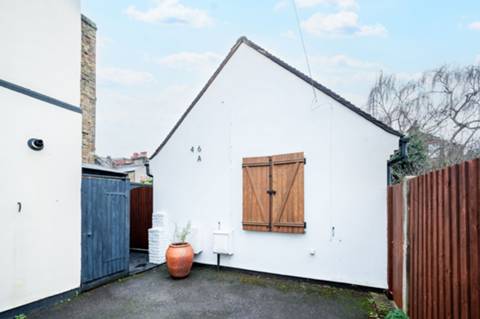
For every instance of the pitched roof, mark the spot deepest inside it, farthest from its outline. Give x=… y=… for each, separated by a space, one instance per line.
x=288 y=67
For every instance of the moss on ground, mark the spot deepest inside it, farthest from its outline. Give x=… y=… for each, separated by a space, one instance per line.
x=382 y=305
x=354 y=300
x=253 y=280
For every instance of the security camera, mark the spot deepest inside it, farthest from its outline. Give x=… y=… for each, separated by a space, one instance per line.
x=35 y=144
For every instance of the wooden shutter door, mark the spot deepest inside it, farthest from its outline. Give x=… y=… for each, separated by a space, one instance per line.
x=288 y=201
x=256 y=182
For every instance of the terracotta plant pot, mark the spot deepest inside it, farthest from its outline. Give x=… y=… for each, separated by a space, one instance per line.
x=179 y=259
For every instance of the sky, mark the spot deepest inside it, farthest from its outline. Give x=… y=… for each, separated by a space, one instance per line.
x=154 y=56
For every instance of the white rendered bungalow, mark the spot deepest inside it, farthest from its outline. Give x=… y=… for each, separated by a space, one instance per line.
x=297 y=184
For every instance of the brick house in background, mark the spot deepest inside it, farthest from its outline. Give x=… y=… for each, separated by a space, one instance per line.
x=134 y=165
x=88 y=97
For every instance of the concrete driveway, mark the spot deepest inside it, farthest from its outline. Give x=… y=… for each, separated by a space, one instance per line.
x=207 y=293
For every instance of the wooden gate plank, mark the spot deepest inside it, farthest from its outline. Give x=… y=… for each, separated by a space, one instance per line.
x=447 y=244
x=390 y=213
x=413 y=248
x=398 y=278
x=411 y=240
x=464 y=244
x=104 y=228
x=141 y=210
x=455 y=243
x=424 y=248
x=441 y=252
x=434 y=241
x=395 y=242
x=429 y=245
x=473 y=223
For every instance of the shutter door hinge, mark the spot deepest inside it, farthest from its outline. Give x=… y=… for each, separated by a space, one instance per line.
x=304 y=161
x=305 y=225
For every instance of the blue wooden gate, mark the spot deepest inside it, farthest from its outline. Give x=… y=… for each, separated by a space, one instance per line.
x=105 y=226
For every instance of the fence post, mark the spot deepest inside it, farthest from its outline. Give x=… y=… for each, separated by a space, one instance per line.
x=406 y=243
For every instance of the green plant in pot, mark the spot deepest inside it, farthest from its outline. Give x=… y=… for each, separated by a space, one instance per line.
x=179 y=253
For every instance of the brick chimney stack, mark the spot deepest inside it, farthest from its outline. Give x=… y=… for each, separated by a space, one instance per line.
x=88 y=97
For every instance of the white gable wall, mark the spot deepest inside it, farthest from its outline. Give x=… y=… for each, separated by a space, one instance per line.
x=43 y=41
x=257 y=108
x=40 y=246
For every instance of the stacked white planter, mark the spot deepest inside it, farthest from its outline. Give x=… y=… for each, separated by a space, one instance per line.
x=157 y=238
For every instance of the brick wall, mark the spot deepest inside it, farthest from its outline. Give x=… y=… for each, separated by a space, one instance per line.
x=88 y=95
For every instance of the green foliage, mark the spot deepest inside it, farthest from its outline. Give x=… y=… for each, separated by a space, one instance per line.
x=147 y=181
x=181 y=236
x=396 y=314
x=416 y=163
x=21 y=316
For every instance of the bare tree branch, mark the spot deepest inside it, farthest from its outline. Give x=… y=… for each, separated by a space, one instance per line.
x=443 y=103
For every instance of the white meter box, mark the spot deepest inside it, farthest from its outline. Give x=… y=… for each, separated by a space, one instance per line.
x=222 y=242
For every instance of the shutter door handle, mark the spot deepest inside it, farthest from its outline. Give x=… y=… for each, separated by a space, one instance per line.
x=271 y=192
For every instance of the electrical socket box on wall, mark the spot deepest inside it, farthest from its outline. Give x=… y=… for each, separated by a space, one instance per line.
x=222 y=242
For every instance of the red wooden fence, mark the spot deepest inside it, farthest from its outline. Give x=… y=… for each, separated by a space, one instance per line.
x=395 y=240
x=444 y=247
x=140 y=216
